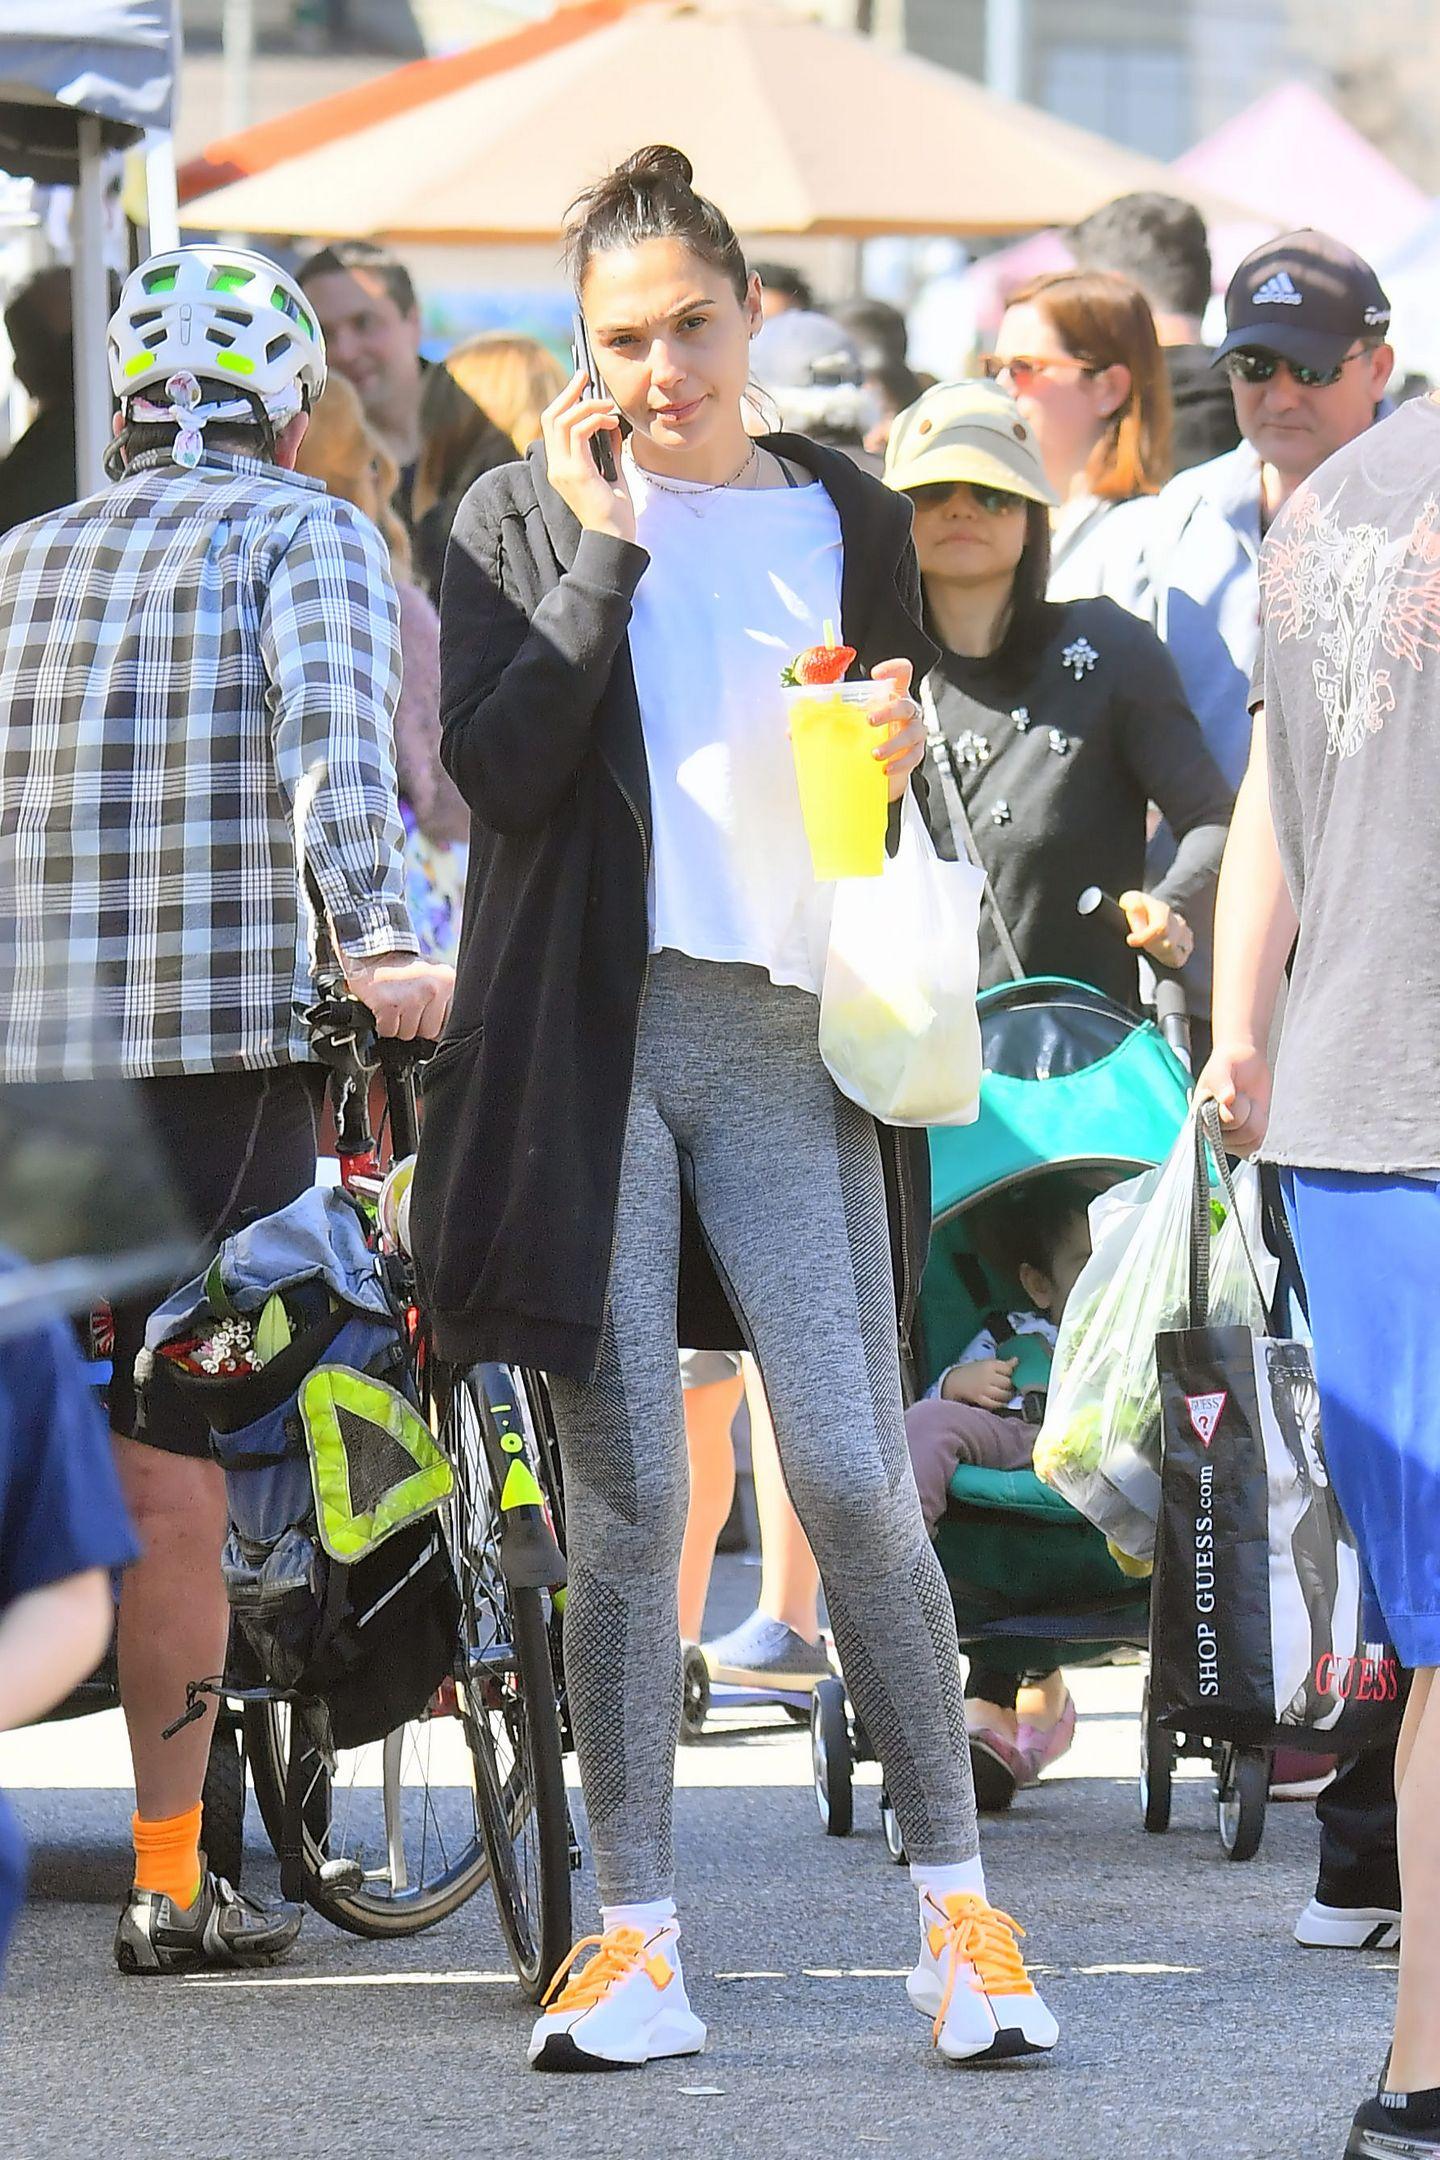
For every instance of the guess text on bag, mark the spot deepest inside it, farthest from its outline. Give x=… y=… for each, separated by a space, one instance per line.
x=1207 y=1647
x=1206 y=1412
x=1373 y=1678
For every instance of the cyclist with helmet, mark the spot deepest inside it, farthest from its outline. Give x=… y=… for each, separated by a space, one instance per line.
x=177 y=656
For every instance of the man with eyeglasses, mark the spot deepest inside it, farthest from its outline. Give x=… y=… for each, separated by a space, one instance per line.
x=1306 y=353
x=1329 y=871
x=1305 y=349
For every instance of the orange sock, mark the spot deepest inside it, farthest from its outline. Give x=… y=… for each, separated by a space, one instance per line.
x=167 y=1855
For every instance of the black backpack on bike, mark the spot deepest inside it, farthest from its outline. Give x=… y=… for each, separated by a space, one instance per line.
x=336 y=1566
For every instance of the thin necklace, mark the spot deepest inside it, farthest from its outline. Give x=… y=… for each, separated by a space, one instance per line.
x=685 y=489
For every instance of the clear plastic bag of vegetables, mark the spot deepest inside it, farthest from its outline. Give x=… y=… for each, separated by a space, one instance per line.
x=1099 y=1445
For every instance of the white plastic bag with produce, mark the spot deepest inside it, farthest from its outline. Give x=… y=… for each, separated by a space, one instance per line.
x=1100 y=1444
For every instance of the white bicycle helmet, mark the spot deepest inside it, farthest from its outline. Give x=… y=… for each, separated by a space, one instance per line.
x=218 y=314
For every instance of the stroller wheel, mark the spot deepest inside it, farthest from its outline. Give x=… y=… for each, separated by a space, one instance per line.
x=1241 y=1791
x=890 y=1824
x=695 y=1702
x=832 y=1758
x=1157 y=1767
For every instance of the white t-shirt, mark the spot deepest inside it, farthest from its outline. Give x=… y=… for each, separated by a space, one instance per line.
x=738 y=582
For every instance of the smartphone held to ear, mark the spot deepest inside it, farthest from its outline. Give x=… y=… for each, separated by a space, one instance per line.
x=602 y=447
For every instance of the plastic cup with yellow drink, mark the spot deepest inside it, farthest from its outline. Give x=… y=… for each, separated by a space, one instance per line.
x=844 y=788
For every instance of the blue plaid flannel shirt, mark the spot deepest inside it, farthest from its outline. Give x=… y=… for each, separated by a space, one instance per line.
x=175 y=654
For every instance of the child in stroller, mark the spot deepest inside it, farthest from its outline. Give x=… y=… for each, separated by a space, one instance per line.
x=985 y=1410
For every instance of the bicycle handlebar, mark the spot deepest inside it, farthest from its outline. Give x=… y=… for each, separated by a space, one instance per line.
x=342 y=1035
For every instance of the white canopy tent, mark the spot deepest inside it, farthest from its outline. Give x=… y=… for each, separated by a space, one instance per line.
x=79 y=78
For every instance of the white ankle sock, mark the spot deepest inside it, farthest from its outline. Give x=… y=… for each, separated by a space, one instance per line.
x=649 y=1919
x=942 y=1882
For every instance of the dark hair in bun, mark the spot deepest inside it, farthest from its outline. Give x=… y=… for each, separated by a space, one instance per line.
x=651 y=196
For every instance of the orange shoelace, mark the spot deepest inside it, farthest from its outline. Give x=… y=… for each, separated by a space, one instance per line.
x=979 y=1935
x=616 y=1956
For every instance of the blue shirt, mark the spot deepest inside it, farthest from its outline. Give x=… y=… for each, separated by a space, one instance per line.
x=61 y=1510
x=1201 y=578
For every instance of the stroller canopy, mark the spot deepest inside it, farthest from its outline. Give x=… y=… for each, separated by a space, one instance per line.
x=1071 y=1080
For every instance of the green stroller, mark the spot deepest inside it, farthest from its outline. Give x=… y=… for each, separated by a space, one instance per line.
x=1072 y=1082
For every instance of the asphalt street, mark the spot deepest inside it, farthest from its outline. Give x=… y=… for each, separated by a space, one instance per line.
x=1192 y=2027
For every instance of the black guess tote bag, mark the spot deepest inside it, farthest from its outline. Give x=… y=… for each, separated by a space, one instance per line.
x=1257 y=1624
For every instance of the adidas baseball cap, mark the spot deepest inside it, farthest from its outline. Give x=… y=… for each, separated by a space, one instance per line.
x=1306 y=297
x=967 y=431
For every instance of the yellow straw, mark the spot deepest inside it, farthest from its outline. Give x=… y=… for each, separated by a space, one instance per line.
x=829 y=633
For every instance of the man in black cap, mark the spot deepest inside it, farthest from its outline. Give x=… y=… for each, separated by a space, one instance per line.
x=1306 y=352
x=1306 y=328
x=1305 y=349
x=1329 y=875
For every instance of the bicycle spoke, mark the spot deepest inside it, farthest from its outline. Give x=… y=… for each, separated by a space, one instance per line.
x=393 y=1807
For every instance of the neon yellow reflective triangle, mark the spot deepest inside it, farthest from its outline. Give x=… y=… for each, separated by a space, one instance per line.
x=373 y=1460
x=520 y=1489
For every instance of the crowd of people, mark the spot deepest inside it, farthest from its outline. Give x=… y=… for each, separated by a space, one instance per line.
x=1124 y=577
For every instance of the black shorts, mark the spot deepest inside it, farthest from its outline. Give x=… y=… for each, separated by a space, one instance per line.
x=237 y=1146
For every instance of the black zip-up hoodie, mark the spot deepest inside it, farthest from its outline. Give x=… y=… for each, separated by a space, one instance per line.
x=526 y=1100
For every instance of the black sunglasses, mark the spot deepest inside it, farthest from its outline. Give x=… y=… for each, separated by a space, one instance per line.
x=992 y=500
x=1261 y=367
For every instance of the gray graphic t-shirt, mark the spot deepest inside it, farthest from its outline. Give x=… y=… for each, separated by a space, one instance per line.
x=1349 y=675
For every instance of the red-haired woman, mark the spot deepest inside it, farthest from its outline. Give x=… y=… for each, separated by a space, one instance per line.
x=1078 y=351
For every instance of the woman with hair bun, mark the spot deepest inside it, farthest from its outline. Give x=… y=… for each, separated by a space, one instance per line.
x=630 y=1139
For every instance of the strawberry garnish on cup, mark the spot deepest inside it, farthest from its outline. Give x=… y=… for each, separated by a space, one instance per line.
x=820 y=664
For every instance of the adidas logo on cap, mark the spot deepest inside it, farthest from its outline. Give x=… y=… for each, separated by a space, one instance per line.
x=1278 y=291
x=1324 y=284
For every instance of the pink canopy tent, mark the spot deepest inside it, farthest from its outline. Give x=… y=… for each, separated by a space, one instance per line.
x=994 y=277
x=1293 y=158
x=1303 y=164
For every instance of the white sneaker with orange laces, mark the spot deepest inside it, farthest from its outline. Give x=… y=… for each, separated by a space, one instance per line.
x=626 y=2007
x=971 y=1980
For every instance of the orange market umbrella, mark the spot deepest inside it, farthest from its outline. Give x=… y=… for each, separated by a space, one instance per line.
x=306 y=127
x=794 y=127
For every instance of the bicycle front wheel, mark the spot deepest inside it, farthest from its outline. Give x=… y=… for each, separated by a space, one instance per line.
x=509 y=1693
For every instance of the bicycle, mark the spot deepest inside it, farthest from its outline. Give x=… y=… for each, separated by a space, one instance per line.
x=390 y=1839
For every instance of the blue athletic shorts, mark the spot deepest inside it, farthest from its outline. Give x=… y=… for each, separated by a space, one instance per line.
x=1369 y=1250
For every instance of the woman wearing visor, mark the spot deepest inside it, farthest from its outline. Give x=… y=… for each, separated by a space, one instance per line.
x=1065 y=721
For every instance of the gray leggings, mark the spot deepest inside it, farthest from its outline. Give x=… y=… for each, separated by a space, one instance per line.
x=730 y=1096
